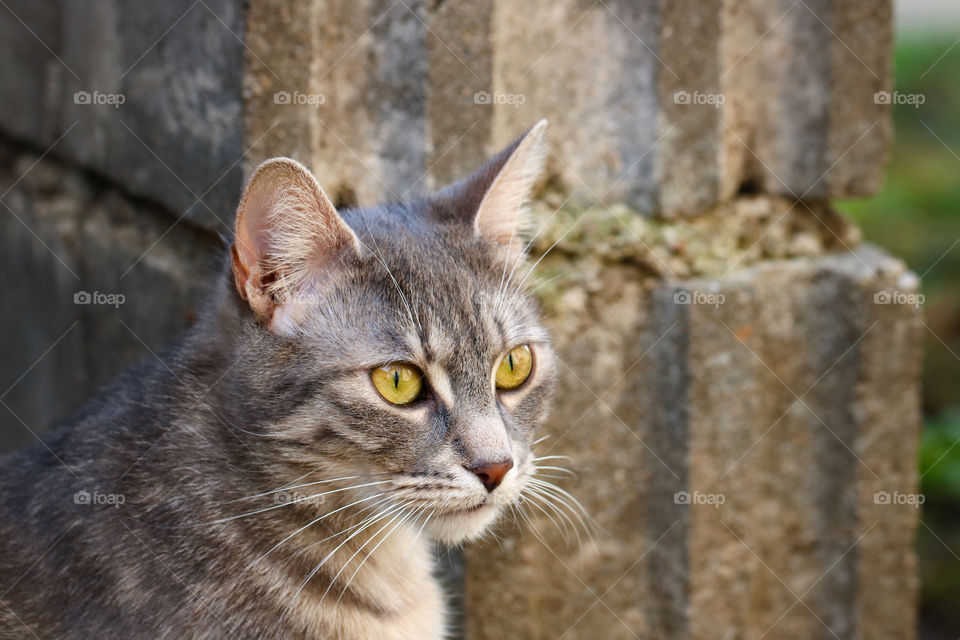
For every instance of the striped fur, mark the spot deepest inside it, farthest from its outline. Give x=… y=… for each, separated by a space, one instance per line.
x=267 y=490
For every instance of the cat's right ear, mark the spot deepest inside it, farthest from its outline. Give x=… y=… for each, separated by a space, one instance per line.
x=493 y=199
x=287 y=231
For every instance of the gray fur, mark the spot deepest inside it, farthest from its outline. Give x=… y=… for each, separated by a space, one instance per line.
x=235 y=410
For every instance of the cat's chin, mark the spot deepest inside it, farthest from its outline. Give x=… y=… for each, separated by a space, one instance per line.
x=462 y=526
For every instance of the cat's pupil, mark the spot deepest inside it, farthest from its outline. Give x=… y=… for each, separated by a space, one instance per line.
x=396 y=379
x=510 y=360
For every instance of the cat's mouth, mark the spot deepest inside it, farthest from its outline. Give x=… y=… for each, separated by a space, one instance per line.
x=459 y=525
x=469 y=510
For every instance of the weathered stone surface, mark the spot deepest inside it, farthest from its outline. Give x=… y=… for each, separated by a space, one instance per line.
x=65 y=234
x=41 y=274
x=281 y=67
x=590 y=70
x=669 y=108
x=689 y=173
x=459 y=117
x=781 y=390
x=800 y=80
x=699 y=100
x=146 y=94
x=31 y=76
x=733 y=234
x=354 y=74
x=378 y=98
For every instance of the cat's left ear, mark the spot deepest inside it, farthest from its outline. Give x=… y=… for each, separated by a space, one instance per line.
x=287 y=233
x=497 y=194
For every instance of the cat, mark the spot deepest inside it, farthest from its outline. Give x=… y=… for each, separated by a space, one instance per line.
x=361 y=385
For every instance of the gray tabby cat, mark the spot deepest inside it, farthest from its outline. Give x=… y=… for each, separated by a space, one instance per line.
x=362 y=384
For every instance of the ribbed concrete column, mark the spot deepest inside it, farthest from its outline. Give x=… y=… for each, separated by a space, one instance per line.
x=667 y=107
x=730 y=433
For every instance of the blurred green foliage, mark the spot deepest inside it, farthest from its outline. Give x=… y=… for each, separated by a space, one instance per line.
x=916 y=216
x=940 y=457
x=939 y=536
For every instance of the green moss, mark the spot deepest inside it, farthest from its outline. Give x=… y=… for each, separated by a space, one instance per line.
x=728 y=237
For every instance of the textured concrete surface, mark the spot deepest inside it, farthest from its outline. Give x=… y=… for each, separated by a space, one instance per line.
x=146 y=94
x=67 y=233
x=801 y=81
x=700 y=100
x=780 y=394
x=355 y=75
x=667 y=107
x=571 y=62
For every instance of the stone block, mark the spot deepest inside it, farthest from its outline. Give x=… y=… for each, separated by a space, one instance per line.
x=801 y=80
x=586 y=69
x=146 y=94
x=730 y=436
x=669 y=108
x=700 y=100
x=352 y=80
x=31 y=76
x=177 y=137
x=70 y=246
x=39 y=382
x=376 y=97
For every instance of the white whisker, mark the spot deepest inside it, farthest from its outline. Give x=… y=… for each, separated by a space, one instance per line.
x=561 y=528
x=289 y=488
x=409 y=516
x=526 y=248
x=572 y=474
x=539 y=260
x=307 y=526
x=371 y=521
x=285 y=504
x=569 y=502
x=400 y=513
x=553 y=457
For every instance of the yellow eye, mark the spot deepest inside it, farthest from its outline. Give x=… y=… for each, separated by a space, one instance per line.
x=398 y=383
x=515 y=368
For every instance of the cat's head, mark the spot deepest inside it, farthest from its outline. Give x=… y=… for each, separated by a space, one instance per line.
x=402 y=347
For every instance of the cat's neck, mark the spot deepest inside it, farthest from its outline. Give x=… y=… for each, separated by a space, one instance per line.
x=379 y=581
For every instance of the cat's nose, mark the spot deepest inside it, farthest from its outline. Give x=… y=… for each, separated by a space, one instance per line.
x=491 y=475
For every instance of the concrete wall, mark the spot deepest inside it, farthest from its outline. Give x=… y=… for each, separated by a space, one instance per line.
x=724 y=335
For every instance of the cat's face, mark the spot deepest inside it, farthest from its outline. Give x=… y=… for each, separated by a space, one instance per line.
x=429 y=369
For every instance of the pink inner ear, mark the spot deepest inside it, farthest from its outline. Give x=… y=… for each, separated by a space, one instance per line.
x=252 y=228
x=501 y=214
x=286 y=229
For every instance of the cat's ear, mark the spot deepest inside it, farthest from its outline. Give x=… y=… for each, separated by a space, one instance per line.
x=287 y=230
x=496 y=195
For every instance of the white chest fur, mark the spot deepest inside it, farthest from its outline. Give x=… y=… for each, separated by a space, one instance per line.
x=398 y=580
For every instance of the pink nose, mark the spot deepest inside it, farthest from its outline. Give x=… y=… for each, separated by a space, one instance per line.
x=491 y=475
